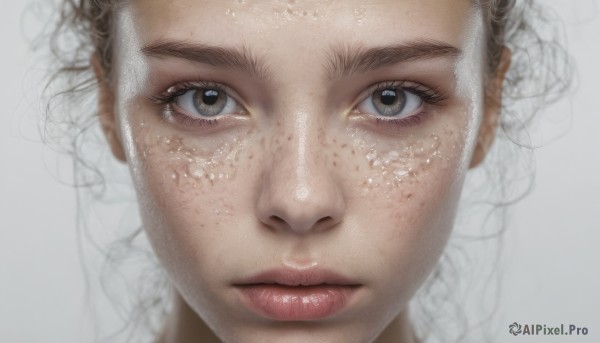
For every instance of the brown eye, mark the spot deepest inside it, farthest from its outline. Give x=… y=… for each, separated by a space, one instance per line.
x=389 y=102
x=209 y=102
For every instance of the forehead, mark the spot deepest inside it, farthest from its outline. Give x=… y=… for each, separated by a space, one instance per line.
x=292 y=23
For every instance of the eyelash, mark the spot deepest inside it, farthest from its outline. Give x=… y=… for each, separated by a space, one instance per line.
x=429 y=96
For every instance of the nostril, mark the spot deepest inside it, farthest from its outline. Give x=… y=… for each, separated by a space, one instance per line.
x=324 y=219
x=277 y=220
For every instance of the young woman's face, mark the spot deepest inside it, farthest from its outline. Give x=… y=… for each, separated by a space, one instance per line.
x=298 y=163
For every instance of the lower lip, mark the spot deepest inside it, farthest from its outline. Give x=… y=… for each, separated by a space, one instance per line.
x=292 y=303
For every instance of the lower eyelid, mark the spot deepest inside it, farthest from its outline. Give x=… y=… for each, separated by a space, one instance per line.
x=401 y=123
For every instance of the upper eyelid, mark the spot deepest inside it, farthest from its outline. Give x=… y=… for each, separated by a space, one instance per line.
x=183 y=87
x=401 y=84
x=387 y=84
x=197 y=85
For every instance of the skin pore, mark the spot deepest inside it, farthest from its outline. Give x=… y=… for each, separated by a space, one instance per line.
x=305 y=164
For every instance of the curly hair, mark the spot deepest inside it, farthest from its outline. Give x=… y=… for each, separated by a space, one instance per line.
x=539 y=74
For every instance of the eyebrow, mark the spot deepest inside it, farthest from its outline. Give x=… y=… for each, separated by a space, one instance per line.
x=221 y=57
x=345 y=60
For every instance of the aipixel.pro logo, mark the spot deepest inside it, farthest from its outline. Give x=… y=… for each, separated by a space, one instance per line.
x=516 y=329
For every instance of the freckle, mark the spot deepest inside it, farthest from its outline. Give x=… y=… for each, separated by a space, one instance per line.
x=344 y=145
x=353 y=152
x=357 y=168
x=289 y=138
x=278 y=124
x=335 y=140
x=251 y=156
x=335 y=164
x=409 y=196
x=335 y=154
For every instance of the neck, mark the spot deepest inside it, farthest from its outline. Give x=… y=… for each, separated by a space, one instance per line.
x=399 y=330
x=184 y=325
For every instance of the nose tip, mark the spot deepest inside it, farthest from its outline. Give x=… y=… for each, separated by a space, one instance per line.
x=299 y=192
x=313 y=212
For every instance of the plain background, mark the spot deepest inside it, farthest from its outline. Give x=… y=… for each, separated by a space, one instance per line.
x=551 y=253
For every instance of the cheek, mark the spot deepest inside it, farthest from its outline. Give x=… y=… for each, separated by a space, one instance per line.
x=186 y=187
x=405 y=193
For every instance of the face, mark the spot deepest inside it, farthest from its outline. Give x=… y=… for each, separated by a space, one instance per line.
x=297 y=163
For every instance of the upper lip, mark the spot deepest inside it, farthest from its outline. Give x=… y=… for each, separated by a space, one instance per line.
x=297 y=277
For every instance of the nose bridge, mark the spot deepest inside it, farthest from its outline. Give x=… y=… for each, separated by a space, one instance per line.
x=303 y=154
x=298 y=191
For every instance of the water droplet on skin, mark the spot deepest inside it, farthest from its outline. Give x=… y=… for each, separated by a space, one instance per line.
x=199 y=165
x=395 y=167
x=400 y=173
x=359 y=15
x=197 y=169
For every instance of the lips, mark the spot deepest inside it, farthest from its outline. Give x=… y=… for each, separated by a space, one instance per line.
x=296 y=295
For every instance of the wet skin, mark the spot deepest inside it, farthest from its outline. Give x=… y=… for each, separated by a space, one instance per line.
x=300 y=169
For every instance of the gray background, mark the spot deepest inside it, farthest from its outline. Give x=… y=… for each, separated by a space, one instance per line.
x=550 y=255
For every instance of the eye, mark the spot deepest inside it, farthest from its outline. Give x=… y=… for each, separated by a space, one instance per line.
x=391 y=102
x=206 y=102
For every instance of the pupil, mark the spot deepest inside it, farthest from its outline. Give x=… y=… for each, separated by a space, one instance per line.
x=388 y=97
x=210 y=97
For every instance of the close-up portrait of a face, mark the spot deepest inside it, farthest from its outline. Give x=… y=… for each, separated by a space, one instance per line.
x=388 y=171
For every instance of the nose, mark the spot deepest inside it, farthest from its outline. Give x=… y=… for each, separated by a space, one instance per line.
x=298 y=191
